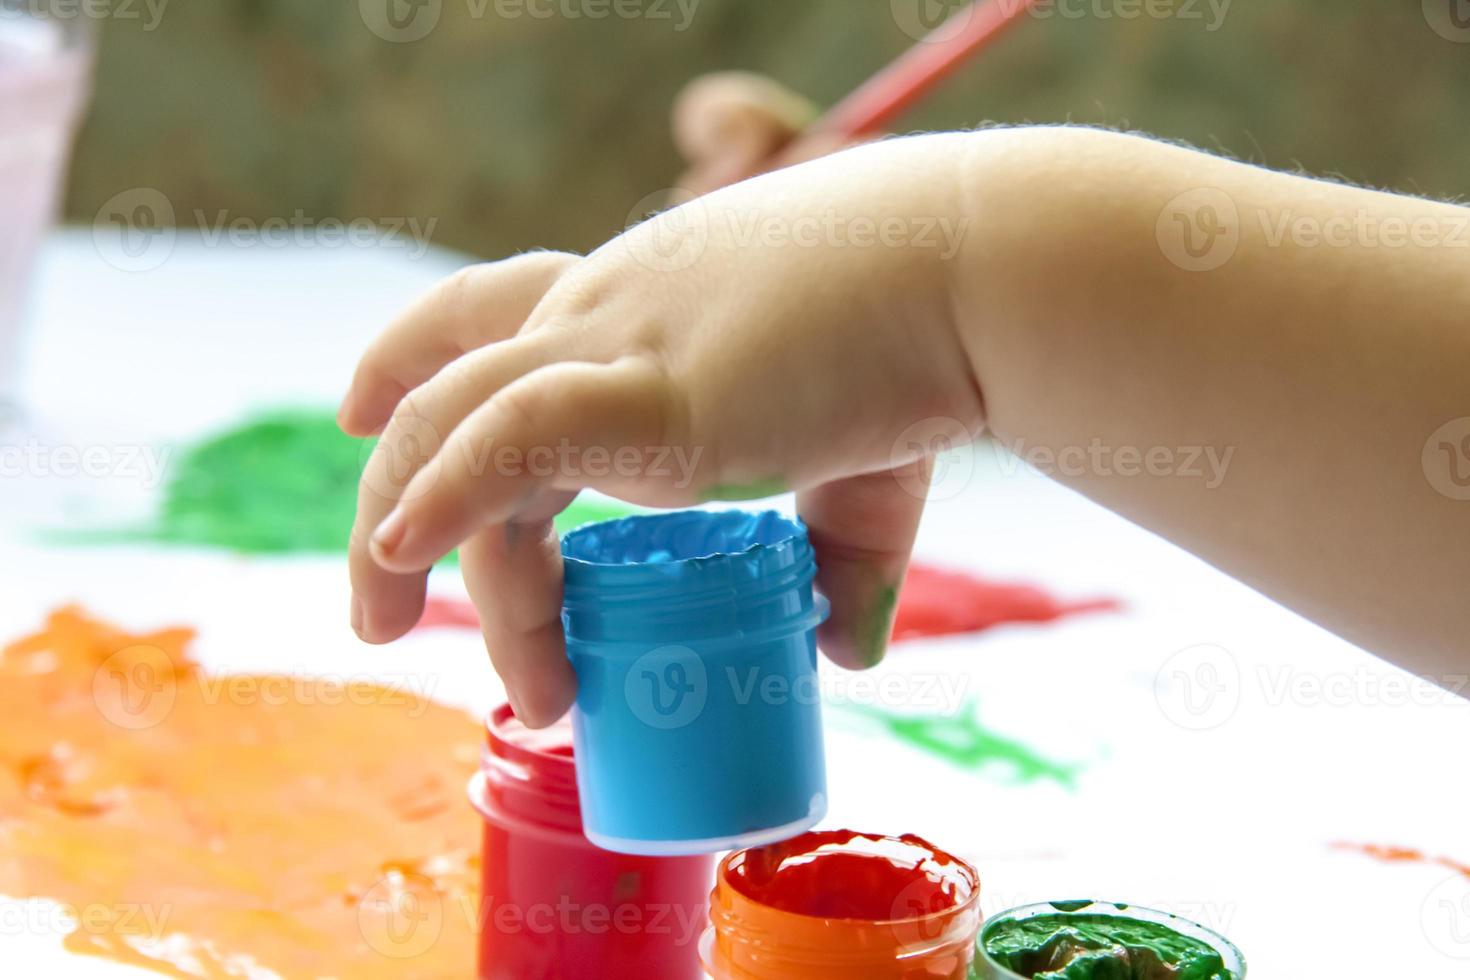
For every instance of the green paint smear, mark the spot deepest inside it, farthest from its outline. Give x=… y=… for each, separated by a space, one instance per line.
x=735 y=492
x=281 y=483
x=962 y=741
x=1100 y=947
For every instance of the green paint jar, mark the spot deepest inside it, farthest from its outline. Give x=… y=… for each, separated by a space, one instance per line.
x=1087 y=940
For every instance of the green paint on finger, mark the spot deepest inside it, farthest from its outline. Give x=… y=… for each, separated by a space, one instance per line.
x=284 y=482
x=735 y=492
x=962 y=741
x=876 y=625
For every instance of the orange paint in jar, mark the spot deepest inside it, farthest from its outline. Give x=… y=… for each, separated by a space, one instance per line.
x=840 y=903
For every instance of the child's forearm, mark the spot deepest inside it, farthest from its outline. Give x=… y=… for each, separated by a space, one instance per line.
x=1258 y=366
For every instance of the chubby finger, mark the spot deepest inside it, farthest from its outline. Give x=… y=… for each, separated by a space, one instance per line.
x=476 y=306
x=534 y=436
x=514 y=576
x=388 y=604
x=730 y=125
x=863 y=529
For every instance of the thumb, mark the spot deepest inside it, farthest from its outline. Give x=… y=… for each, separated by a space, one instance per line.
x=862 y=529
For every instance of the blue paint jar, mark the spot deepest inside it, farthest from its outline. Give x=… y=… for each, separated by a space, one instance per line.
x=698 y=722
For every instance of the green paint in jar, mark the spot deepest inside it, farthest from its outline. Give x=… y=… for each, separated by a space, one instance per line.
x=1086 y=940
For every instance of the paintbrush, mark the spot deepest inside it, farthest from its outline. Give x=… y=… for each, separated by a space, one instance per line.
x=878 y=102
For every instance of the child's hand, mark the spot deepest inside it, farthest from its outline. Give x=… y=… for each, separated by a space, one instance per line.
x=788 y=333
x=1116 y=299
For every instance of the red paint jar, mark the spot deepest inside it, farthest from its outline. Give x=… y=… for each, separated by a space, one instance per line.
x=555 y=907
x=842 y=904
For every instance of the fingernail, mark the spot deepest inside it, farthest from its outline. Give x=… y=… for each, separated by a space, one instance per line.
x=389 y=534
x=356 y=615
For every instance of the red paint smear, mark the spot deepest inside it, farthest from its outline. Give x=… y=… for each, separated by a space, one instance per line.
x=1403 y=855
x=450 y=613
x=840 y=874
x=935 y=602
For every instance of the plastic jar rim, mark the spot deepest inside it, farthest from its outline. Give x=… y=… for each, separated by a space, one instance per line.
x=579 y=567
x=515 y=760
x=498 y=736
x=710 y=577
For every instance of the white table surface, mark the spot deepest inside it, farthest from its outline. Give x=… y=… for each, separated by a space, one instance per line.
x=1229 y=824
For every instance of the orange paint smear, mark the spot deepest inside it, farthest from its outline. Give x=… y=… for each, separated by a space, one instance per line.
x=1403 y=855
x=205 y=826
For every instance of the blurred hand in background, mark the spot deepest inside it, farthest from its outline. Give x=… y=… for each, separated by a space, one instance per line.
x=732 y=125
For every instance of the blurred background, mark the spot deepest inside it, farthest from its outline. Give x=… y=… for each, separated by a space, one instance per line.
x=521 y=123
x=494 y=126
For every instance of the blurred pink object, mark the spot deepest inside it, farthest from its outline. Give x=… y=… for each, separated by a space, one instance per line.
x=45 y=79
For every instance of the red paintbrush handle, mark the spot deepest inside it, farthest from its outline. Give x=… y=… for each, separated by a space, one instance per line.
x=887 y=95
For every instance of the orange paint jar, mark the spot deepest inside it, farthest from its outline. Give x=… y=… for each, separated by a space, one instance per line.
x=838 y=903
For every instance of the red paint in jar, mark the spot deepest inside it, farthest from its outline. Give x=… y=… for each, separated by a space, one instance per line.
x=555 y=907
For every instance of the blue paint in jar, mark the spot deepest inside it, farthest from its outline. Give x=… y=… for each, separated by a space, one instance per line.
x=697 y=726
